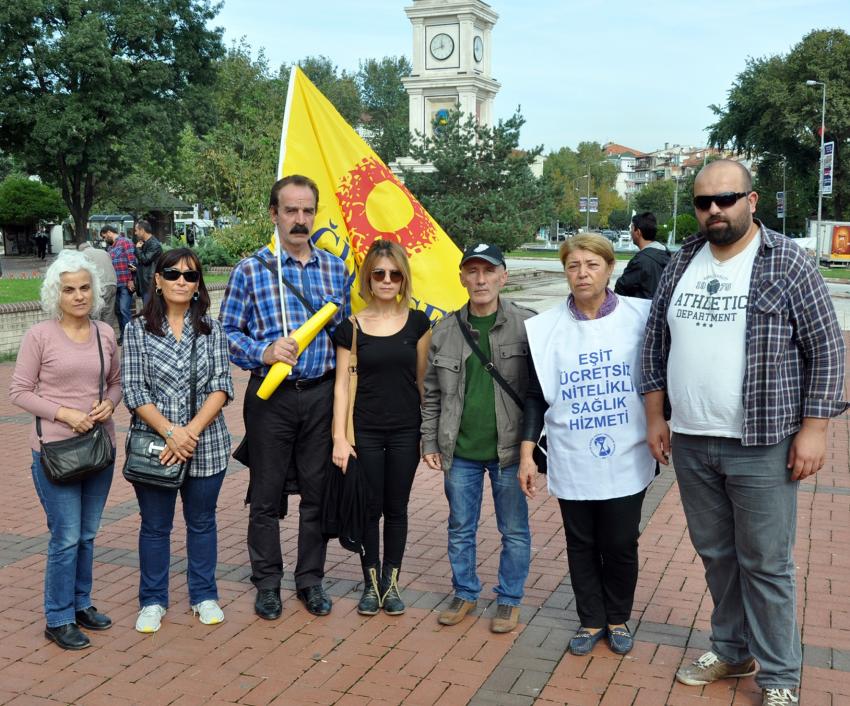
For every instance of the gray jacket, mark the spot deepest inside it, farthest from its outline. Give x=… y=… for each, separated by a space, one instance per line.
x=445 y=382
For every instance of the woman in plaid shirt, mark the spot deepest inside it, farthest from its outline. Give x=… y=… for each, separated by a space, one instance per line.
x=156 y=363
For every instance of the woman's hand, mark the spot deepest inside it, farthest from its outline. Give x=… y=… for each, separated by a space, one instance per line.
x=342 y=450
x=181 y=443
x=79 y=422
x=101 y=411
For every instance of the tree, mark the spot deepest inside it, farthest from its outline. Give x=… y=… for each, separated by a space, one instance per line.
x=656 y=196
x=771 y=111
x=26 y=202
x=564 y=172
x=386 y=105
x=86 y=83
x=483 y=189
x=686 y=225
x=620 y=219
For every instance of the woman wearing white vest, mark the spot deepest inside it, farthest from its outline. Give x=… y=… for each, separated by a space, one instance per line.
x=586 y=370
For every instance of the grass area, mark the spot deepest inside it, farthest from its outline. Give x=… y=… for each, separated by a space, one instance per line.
x=553 y=255
x=19 y=290
x=26 y=290
x=835 y=272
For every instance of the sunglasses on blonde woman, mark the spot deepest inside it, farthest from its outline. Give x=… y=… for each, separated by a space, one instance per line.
x=379 y=275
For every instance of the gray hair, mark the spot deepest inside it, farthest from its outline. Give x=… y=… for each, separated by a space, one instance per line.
x=69 y=261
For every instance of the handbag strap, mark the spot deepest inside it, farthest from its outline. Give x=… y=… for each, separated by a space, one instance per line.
x=101 y=381
x=488 y=364
x=352 y=382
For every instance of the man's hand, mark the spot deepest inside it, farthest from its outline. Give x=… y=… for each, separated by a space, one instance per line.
x=808 y=450
x=283 y=350
x=658 y=438
x=434 y=461
x=527 y=474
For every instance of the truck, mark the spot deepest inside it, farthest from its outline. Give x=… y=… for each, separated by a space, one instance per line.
x=832 y=239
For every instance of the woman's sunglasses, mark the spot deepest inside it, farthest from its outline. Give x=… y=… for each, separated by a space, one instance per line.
x=172 y=274
x=379 y=275
x=724 y=200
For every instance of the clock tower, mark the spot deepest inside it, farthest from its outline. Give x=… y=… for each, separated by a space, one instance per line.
x=451 y=61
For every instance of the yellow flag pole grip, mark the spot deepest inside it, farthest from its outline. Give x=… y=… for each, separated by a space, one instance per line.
x=303 y=336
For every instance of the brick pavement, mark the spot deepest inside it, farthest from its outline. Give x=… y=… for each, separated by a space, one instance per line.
x=348 y=659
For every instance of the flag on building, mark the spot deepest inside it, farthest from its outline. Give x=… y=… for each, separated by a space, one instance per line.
x=361 y=200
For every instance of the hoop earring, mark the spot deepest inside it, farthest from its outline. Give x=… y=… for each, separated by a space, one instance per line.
x=196 y=296
x=158 y=291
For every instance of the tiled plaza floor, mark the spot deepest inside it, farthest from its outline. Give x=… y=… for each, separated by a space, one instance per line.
x=349 y=659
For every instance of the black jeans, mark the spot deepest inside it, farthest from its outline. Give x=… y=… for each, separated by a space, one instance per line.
x=292 y=426
x=388 y=460
x=602 y=552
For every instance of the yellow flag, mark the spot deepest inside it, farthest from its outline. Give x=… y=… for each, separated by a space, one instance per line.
x=361 y=200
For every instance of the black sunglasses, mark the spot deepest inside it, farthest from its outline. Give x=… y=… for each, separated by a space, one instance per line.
x=724 y=200
x=172 y=274
x=379 y=275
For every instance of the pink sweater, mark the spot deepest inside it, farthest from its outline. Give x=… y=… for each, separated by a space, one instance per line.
x=52 y=371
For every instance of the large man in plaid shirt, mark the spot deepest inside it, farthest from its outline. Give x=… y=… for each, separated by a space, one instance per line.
x=744 y=340
x=291 y=429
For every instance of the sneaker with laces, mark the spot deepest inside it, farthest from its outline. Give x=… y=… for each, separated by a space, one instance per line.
x=709 y=668
x=505 y=619
x=150 y=618
x=208 y=612
x=779 y=697
x=456 y=611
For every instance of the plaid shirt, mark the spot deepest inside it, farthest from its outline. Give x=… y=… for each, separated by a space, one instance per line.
x=250 y=311
x=123 y=255
x=156 y=370
x=794 y=346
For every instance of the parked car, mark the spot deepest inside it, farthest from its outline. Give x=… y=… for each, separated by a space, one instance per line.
x=611 y=235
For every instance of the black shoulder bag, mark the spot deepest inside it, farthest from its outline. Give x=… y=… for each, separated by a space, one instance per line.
x=540 y=454
x=143 y=447
x=72 y=460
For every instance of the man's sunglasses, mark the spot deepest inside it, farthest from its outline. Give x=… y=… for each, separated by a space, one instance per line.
x=172 y=274
x=724 y=200
x=379 y=275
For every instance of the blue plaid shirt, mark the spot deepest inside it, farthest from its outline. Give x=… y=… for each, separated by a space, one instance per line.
x=794 y=346
x=250 y=311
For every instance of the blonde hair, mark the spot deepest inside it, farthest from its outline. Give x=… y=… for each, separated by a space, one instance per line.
x=393 y=251
x=590 y=242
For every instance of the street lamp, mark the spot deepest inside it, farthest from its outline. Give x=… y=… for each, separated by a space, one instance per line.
x=822 y=84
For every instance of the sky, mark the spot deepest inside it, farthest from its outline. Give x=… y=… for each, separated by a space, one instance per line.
x=639 y=73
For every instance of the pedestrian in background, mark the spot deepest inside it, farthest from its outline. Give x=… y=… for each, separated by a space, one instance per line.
x=124 y=263
x=148 y=250
x=108 y=281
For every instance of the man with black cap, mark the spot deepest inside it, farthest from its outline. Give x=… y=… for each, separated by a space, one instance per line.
x=471 y=427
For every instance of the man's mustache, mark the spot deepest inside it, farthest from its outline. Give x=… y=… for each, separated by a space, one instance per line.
x=301 y=229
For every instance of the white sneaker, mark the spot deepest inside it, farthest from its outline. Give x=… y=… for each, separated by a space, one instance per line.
x=208 y=612
x=150 y=618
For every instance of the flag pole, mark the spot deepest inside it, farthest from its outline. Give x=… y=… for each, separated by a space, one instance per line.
x=290 y=90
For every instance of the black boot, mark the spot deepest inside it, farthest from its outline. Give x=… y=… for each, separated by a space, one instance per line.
x=390 y=598
x=370 y=601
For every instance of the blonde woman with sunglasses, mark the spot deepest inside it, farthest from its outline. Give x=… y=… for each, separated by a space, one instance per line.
x=392 y=352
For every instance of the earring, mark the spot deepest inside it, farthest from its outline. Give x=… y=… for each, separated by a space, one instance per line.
x=196 y=296
x=158 y=290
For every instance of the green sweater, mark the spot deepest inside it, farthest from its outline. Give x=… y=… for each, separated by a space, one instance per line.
x=477 y=439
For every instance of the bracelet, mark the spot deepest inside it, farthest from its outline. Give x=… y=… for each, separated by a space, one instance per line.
x=170 y=432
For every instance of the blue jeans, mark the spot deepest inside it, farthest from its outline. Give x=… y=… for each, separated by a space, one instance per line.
x=123 y=307
x=741 y=508
x=156 y=506
x=464 y=484
x=73 y=518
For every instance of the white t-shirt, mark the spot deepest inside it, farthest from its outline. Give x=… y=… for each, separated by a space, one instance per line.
x=708 y=330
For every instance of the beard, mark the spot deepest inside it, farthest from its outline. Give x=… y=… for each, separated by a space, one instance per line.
x=732 y=233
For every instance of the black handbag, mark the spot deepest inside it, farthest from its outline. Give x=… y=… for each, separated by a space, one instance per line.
x=540 y=453
x=143 y=447
x=72 y=460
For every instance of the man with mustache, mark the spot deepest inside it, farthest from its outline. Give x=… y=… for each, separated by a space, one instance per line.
x=743 y=339
x=290 y=431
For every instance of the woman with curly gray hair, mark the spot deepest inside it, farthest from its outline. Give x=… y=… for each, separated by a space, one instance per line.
x=57 y=379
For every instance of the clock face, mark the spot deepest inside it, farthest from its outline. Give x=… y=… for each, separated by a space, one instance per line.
x=478 y=48
x=442 y=46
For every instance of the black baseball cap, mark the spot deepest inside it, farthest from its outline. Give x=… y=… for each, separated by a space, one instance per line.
x=483 y=251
